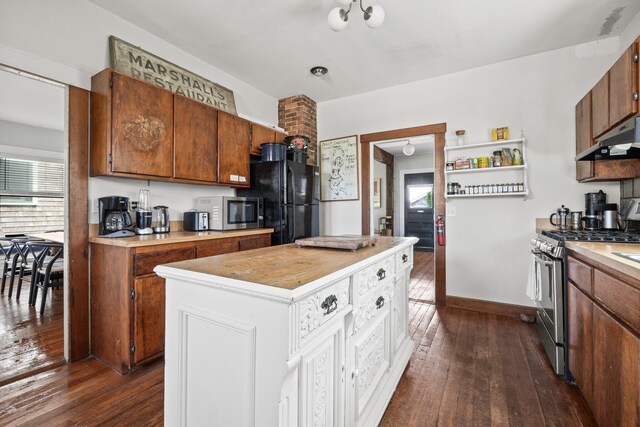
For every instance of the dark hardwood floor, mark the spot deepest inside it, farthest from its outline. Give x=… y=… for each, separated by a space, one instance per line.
x=468 y=369
x=30 y=342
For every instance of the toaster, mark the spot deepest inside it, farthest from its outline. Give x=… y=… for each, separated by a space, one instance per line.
x=195 y=221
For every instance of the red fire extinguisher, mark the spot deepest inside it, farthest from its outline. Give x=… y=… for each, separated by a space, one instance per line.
x=440 y=230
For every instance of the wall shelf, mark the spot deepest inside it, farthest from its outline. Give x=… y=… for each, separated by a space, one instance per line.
x=483 y=170
x=468 y=196
x=485 y=144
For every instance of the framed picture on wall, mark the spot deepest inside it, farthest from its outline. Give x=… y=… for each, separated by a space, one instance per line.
x=377 y=193
x=339 y=169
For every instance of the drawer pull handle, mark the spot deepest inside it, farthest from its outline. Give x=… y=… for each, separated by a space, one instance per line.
x=405 y=258
x=379 y=302
x=330 y=304
x=381 y=274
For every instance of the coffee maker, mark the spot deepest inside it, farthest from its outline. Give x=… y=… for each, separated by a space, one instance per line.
x=114 y=218
x=594 y=206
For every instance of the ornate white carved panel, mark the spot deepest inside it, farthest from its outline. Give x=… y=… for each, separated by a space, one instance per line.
x=370 y=305
x=208 y=378
x=321 y=306
x=373 y=276
x=399 y=311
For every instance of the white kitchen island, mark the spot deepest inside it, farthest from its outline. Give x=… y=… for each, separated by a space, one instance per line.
x=286 y=336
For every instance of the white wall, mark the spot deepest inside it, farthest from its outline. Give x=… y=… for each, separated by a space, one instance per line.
x=31 y=137
x=67 y=40
x=488 y=239
x=403 y=165
x=380 y=171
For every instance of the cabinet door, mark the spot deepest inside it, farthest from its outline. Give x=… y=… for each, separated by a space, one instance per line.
x=279 y=137
x=623 y=86
x=371 y=359
x=195 y=140
x=260 y=135
x=584 y=170
x=600 y=107
x=142 y=128
x=233 y=149
x=148 y=317
x=616 y=372
x=322 y=382
x=399 y=309
x=580 y=314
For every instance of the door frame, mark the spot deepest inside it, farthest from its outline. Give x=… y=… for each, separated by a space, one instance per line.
x=438 y=130
x=401 y=174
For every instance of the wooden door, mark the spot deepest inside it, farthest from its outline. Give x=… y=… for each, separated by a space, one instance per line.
x=233 y=149
x=623 y=87
x=584 y=170
x=418 y=209
x=195 y=140
x=616 y=372
x=148 y=317
x=142 y=128
x=580 y=347
x=600 y=107
x=260 y=135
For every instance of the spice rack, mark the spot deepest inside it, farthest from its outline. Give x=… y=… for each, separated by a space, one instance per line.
x=490 y=175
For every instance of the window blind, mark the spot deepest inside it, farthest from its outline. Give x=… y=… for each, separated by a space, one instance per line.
x=31 y=178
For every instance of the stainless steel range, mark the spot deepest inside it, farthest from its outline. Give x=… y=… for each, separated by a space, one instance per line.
x=550 y=257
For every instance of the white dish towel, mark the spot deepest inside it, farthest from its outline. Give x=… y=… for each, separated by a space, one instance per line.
x=534 y=290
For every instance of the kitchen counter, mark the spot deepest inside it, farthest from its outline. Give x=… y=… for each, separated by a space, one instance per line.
x=604 y=254
x=175 y=237
x=286 y=267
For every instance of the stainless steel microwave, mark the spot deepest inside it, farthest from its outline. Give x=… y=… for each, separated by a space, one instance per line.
x=232 y=213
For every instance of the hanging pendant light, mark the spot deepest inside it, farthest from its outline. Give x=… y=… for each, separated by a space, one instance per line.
x=338 y=17
x=408 y=149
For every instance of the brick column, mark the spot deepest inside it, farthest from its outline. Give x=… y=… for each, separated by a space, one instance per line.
x=298 y=115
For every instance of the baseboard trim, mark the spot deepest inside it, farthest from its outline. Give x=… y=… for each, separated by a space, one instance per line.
x=491 y=307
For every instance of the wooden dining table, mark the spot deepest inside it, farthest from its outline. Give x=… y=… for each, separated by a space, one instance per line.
x=57 y=237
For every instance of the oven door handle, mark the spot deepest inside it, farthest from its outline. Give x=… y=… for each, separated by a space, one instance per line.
x=540 y=260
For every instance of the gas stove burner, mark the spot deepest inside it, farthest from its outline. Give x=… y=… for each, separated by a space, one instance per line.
x=594 y=236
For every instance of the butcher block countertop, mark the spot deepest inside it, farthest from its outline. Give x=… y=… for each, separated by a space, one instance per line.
x=286 y=267
x=604 y=254
x=175 y=237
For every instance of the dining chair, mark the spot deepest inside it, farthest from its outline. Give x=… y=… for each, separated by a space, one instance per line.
x=47 y=270
x=21 y=264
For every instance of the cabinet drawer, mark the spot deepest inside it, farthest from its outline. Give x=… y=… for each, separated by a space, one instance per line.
x=375 y=276
x=217 y=247
x=145 y=263
x=370 y=305
x=404 y=259
x=581 y=274
x=255 y=242
x=317 y=309
x=623 y=300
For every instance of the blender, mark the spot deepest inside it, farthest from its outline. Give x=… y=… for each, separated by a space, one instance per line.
x=143 y=214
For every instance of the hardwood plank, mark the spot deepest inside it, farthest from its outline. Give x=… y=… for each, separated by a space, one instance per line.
x=501 y=309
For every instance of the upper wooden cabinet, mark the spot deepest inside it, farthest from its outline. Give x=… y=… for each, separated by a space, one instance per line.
x=196 y=141
x=131 y=127
x=623 y=87
x=262 y=134
x=584 y=170
x=600 y=107
x=234 y=136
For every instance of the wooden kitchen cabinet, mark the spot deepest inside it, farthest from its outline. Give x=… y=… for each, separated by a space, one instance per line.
x=196 y=141
x=262 y=134
x=623 y=87
x=584 y=170
x=131 y=127
x=600 y=107
x=604 y=340
x=128 y=298
x=234 y=136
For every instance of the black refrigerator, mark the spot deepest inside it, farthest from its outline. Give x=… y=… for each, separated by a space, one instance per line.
x=291 y=193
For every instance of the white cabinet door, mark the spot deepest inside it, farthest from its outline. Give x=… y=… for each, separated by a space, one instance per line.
x=399 y=309
x=371 y=358
x=322 y=381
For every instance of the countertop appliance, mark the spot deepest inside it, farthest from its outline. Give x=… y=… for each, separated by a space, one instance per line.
x=291 y=192
x=620 y=143
x=550 y=258
x=562 y=216
x=232 y=213
x=195 y=221
x=160 y=219
x=113 y=217
x=593 y=206
x=144 y=216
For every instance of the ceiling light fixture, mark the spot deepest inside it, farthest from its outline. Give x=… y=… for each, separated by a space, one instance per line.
x=408 y=149
x=338 y=17
x=319 y=71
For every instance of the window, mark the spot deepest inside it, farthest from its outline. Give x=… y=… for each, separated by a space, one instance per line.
x=420 y=196
x=22 y=181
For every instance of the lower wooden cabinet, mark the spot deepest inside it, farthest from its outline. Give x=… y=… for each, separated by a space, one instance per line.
x=604 y=343
x=128 y=298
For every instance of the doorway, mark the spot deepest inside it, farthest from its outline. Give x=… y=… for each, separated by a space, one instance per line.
x=418 y=209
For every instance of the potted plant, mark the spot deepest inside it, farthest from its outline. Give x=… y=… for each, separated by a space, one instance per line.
x=297 y=146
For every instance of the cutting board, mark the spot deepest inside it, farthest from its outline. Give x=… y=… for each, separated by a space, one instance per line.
x=351 y=243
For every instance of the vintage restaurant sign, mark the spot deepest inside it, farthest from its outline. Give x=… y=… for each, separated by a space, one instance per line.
x=142 y=65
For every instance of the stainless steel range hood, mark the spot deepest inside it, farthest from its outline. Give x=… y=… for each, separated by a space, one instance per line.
x=621 y=143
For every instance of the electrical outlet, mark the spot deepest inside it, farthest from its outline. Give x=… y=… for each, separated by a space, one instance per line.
x=133 y=205
x=451 y=211
x=94 y=206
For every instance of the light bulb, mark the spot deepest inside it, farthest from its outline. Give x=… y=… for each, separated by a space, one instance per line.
x=337 y=19
x=374 y=16
x=344 y=3
x=408 y=149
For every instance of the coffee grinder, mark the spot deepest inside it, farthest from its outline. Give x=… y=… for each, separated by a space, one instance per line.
x=114 y=218
x=144 y=214
x=594 y=205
